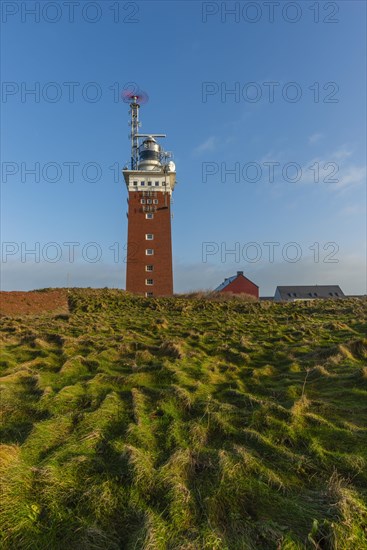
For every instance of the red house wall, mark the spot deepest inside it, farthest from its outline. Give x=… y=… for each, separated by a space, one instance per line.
x=242 y=284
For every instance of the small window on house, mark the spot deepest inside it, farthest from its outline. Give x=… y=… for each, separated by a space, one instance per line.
x=149 y=236
x=149 y=201
x=330 y=293
x=142 y=201
x=315 y=293
x=294 y=294
x=149 y=252
x=336 y=294
x=149 y=282
x=148 y=294
x=155 y=201
x=149 y=216
x=149 y=268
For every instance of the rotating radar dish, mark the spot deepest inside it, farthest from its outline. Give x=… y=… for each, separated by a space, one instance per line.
x=134 y=96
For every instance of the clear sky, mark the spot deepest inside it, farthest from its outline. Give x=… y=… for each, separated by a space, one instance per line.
x=281 y=159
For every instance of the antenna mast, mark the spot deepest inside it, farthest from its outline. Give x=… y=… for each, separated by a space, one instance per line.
x=135 y=99
x=134 y=123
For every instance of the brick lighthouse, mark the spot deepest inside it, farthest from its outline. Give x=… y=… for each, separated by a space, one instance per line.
x=150 y=181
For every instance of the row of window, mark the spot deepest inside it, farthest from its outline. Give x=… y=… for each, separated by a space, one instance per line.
x=149 y=183
x=148 y=201
x=312 y=294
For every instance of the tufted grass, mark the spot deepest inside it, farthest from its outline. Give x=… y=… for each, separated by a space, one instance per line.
x=184 y=423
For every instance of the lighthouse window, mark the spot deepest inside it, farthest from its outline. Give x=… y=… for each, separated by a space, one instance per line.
x=156 y=183
x=148 y=294
x=155 y=201
x=149 y=252
x=148 y=268
x=142 y=201
x=149 y=216
x=149 y=183
x=149 y=281
x=135 y=183
x=142 y=183
x=149 y=236
x=149 y=201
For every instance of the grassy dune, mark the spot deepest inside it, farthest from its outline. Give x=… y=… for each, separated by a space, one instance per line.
x=186 y=424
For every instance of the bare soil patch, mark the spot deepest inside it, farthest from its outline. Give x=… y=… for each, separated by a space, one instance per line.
x=33 y=302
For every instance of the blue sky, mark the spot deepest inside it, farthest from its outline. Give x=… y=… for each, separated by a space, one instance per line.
x=187 y=56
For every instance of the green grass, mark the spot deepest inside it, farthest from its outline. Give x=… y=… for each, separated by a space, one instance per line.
x=184 y=423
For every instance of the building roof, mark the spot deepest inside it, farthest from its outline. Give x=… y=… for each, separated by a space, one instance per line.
x=228 y=281
x=225 y=283
x=306 y=292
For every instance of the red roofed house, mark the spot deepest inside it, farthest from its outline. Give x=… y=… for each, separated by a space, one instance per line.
x=239 y=284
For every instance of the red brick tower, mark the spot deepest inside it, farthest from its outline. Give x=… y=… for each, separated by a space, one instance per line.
x=150 y=182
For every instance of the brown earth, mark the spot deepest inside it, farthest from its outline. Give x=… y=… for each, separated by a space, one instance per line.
x=33 y=302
